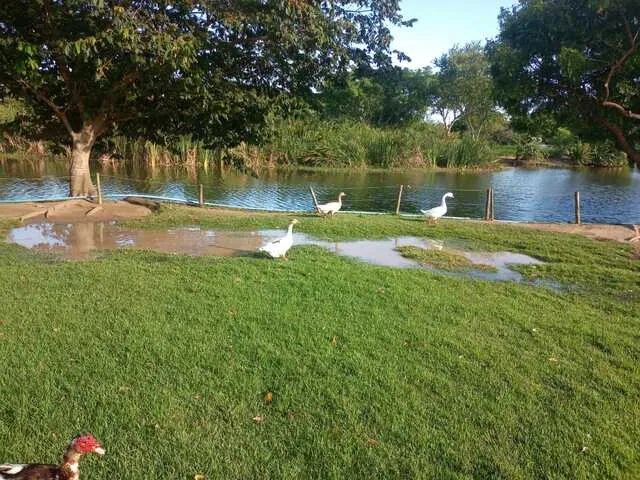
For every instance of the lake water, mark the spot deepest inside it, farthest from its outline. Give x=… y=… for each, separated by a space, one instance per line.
x=540 y=194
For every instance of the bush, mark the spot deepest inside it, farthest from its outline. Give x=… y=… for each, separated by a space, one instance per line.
x=603 y=154
x=10 y=108
x=531 y=149
x=467 y=152
x=581 y=153
x=607 y=155
x=562 y=141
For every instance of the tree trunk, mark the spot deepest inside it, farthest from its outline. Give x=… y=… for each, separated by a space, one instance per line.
x=634 y=156
x=80 y=183
x=623 y=143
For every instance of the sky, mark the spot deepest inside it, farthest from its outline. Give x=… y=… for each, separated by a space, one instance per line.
x=443 y=23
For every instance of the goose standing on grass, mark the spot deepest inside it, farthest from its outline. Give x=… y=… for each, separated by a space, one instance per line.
x=437 y=212
x=332 y=207
x=279 y=248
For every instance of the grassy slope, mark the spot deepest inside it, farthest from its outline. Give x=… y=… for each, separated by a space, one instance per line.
x=167 y=359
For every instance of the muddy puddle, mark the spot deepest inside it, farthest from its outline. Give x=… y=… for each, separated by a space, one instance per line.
x=80 y=241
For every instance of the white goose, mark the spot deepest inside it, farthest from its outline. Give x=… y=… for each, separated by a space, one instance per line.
x=279 y=248
x=437 y=212
x=332 y=207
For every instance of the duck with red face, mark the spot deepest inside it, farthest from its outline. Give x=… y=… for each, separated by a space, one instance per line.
x=68 y=470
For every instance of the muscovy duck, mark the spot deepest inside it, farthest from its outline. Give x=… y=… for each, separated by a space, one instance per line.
x=68 y=470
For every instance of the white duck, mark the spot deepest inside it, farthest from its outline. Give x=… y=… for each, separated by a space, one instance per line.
x=279 y=248
x=332 y=207
x=437 y=212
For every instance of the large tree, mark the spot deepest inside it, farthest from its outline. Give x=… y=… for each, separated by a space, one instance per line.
x=578 y=60
x=153 y=67
x=462 y=89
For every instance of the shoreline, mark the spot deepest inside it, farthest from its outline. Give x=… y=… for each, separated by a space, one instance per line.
x=79 y=211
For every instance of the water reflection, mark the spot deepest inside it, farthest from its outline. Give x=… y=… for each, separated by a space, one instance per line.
x=608 y=195
x=79 y=241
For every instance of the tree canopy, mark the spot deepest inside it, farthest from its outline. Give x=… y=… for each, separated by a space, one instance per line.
x=207 y=67
x=578 y=61
x=387 y=96
x=463 y=88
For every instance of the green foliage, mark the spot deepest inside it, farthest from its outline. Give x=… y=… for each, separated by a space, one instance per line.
x=531 y=149
x=606 y=154
x=442 y=259
x=365 y=364
x=498 y=129
x=573 y=63
x=537 y=124
x=502 y=151
x=468 y=152
x=576 y=62
x=562 y=141
x=382 y=97
x=183 y=150
x=463 y=88
x=322 y=143
x=10 y=108
x=597 y=155
x=211 y=69
x=581 y=153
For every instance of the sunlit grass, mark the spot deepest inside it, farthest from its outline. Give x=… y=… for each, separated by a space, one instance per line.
x=375 y=372
x=442 y=259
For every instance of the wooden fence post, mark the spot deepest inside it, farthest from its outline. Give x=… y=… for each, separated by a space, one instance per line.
x=315 y=200
x=493 y=206
x=487 y=205
x=577 y=201
x=399 y=200
x=201 y=195
x=99 y=189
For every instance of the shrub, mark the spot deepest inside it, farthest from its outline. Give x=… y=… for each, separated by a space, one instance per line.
x=607 y=155
x=10 y=108
x=581 y=153
x=603 y=154
x=562 y=141
x=467 y=152
x=531 y=149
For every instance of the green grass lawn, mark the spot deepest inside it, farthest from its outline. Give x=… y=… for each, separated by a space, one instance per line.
x=442 y=259
x=375 y=372
x=504 y=150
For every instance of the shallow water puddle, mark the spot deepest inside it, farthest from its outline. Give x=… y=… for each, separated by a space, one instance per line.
x=79 y=241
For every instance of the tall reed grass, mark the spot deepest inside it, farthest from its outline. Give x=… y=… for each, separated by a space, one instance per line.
x=351 y=144
x=184 y=151
x=303 y=142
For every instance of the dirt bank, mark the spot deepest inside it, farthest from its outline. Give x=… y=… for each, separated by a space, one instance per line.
x=597 y=231
x=72 y=211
